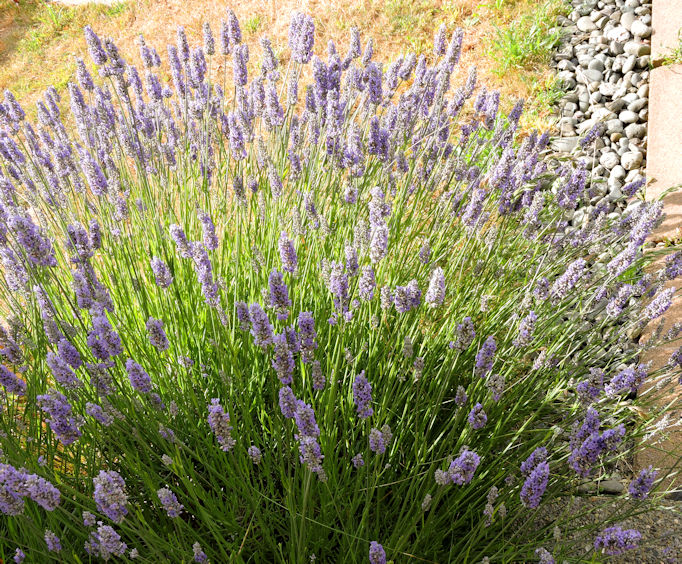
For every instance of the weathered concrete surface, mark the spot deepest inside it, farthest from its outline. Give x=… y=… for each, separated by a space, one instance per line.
x=666 y=22
x=664 y=170
x=664 y=155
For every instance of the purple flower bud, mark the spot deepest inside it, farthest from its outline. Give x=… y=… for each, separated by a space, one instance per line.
x=170 y=502
x=536 y=470
x=477 y=417
x=110 y=495
x=62 y=372
x=435 y=295
x=440 y=41
x=10 y=381
x=283 y=359
x=287 y=402
x=567 y=281
x=157 y=336
x=367 y=283
x=640 y=486
x=95 y=48
x=219 y=422
x=210 y=238
x=209 y=42
x=161 y=272
x=362 y=396
x=233 y=28
x=287 y=253
x=261 y=329
x=52 y=541
x=616 y=540
x=301 y=37
x=139 y=379
x=240 y=58
x=379 y=439
x=461 y=470
x=105 y=542
x=255 y=454
x=377 y=555
x=279 y=295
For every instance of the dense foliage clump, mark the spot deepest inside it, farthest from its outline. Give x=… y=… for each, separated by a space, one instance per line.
x=273 y=323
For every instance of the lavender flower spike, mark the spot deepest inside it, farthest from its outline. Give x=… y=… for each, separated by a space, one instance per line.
x=287 y=253
x=640 y=486
x=377 y=554
x=157 y=336
x=616 y=540
x=110 y=495
x=301 y=37
x=261 y=329
x=170 y=502
x=485 y=357
x=162 y=274
x=219 y=422
x=435 y=295
x=139 y=379
x=362 y=395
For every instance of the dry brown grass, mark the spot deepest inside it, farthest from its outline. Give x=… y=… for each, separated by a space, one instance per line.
x=39 y=42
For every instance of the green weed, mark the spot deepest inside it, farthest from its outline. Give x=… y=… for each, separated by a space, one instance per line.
x=528 y=40
x=252 y=24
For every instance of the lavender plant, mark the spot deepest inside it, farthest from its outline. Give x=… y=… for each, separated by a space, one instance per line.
x=259 y=318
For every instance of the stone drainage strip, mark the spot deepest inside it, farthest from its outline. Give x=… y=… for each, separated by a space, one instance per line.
x=610 y=66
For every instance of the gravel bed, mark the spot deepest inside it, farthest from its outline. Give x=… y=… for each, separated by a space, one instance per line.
x=603 y=66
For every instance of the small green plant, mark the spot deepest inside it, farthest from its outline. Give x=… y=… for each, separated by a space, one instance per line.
x=51 y=22
x=675 y=56
x=529 y=39
x=116 y=9
x=252 y=24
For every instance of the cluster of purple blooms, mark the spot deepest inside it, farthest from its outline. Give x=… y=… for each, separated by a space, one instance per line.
x=170 y=502
x=413 y=134
x=110 y=495
x=616 y=540
x=587 y=443
x=219 y=422
x=535 y=469
x=17 y=485
x=461 y=470
x=105 y=542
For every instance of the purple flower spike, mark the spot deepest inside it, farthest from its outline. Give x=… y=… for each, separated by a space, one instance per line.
x=219 y=422
x=110 y=495
x=157 y=335
x=377 y=554
x=95 y=48
x=170 y=502
x=105 y=542
x=536 y=470
x=379 y=439
x=485 y=357
x=640 y=487
x=435 y=295
x=162 y=274
x=287 y=402
x=461 y=470
x=362 y=395
x=52 y=541
x=261 y=329
x=287 y=253
x=477 y=417
x=616 y=540
x=283 y=360
x=139 y=379
x=301 y=37
x=279 y=295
